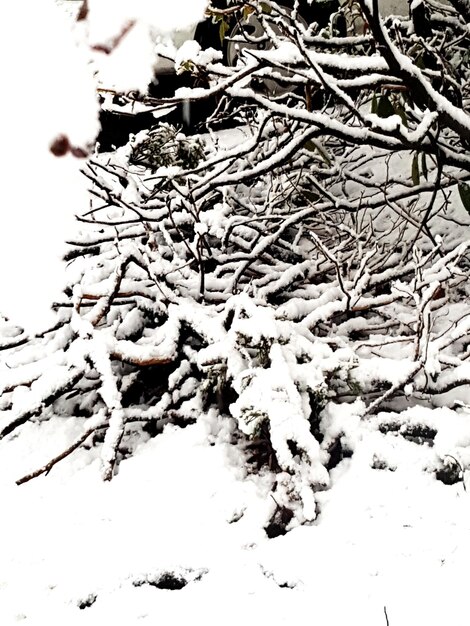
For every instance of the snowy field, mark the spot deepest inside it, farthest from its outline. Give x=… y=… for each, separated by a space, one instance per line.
x=184 y=532
x=76 y=550
x=70 y=7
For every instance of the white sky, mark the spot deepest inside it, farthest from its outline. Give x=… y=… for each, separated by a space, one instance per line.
x=49 y=91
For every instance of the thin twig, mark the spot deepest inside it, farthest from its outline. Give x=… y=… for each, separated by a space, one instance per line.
x=45 y=469
x=386 y=616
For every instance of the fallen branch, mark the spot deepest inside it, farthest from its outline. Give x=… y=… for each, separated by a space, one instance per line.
x=46 y=399
x=45 y=469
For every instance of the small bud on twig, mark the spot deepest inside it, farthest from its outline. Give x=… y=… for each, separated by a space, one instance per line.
x=60 y=146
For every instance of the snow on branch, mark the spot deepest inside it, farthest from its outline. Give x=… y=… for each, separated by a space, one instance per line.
x=311 y=263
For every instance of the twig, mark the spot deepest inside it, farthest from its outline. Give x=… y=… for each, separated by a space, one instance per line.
x=45 y=469
x=45 y=400
x=386 y=616
x=109 y=46
x=393 y=389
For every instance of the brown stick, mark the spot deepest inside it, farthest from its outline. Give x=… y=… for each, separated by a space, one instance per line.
x=140 y=361
x=45 y=469
x=211 y=10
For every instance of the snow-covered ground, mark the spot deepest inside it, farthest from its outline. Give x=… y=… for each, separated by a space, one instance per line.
x=70 y=7
x=76 y=550
x=178 y=536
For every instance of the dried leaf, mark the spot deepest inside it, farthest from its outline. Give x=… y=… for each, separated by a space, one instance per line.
x=247 y=11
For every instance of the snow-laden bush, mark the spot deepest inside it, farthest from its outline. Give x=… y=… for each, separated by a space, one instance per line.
x=187 y=296
x=307 y=260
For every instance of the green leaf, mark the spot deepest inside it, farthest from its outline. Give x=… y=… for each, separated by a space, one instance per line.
x=223 y=28
x=187 y=66
x=464 y=192
x=415 y=169
x=385 y=107
x=311 y=196
x=265 y=8
x=315 y=146
x=420 y=61
x=424 y=167
x=399 y=110
x=215 y=17
x=374 y=104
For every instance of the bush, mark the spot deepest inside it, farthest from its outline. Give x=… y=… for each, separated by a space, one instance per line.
x=312 y=258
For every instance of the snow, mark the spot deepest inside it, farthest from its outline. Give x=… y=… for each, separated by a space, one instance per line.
x=50 y=94
x=109 y=15
x=456 y=117
x=374 y=536
x=130 y=66
x=51 y=106
x=182 y=505
x=189 y=51
x=127 y=35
